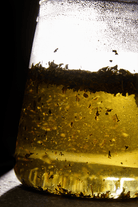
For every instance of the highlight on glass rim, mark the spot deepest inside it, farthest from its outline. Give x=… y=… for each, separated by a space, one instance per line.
x=78 y=129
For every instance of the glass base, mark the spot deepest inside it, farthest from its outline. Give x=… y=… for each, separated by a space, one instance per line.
x=79 y=179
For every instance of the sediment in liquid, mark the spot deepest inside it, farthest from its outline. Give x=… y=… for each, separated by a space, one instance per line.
x=78 y=131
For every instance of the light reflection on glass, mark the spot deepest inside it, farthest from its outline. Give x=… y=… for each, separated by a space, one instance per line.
x=86 y=36
x=119 y=189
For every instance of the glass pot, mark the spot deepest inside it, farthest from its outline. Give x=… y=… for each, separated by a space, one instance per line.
x=78 y=130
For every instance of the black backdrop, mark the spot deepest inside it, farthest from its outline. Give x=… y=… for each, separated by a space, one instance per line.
x=18 y=22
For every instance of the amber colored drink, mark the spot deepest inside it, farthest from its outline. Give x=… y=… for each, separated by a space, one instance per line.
x=78 y=132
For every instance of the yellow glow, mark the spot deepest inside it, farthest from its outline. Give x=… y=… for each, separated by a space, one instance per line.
x=78 y=131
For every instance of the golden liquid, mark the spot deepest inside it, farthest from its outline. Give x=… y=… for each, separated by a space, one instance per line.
x=78 y=142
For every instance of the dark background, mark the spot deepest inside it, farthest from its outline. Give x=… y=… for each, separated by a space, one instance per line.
x=18 y=27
